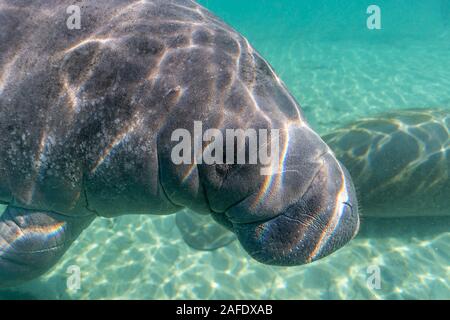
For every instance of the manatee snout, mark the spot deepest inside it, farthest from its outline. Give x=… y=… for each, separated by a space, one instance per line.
x=312 y=204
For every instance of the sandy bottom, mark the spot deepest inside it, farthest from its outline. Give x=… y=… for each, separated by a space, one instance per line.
x=136 y=257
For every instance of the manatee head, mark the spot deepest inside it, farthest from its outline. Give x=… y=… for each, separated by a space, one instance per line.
x=303 y=211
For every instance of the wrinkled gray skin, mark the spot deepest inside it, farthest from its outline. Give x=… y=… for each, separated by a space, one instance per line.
x=86 y=118
x=399 y=162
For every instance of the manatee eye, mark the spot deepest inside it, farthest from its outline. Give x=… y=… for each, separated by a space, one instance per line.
x=222 y=169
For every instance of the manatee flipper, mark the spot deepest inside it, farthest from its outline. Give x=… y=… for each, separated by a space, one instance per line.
x=31 y=242
x=201 y=232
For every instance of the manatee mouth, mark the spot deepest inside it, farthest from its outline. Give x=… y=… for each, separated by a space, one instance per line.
x=321 y=221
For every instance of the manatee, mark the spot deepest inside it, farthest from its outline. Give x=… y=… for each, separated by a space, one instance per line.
x=88 y=118
x=399 y=162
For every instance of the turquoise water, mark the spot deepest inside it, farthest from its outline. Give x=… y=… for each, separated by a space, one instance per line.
x=338 y=70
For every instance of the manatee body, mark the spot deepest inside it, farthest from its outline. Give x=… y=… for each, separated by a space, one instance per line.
x=399 y=161
x=87 y=118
